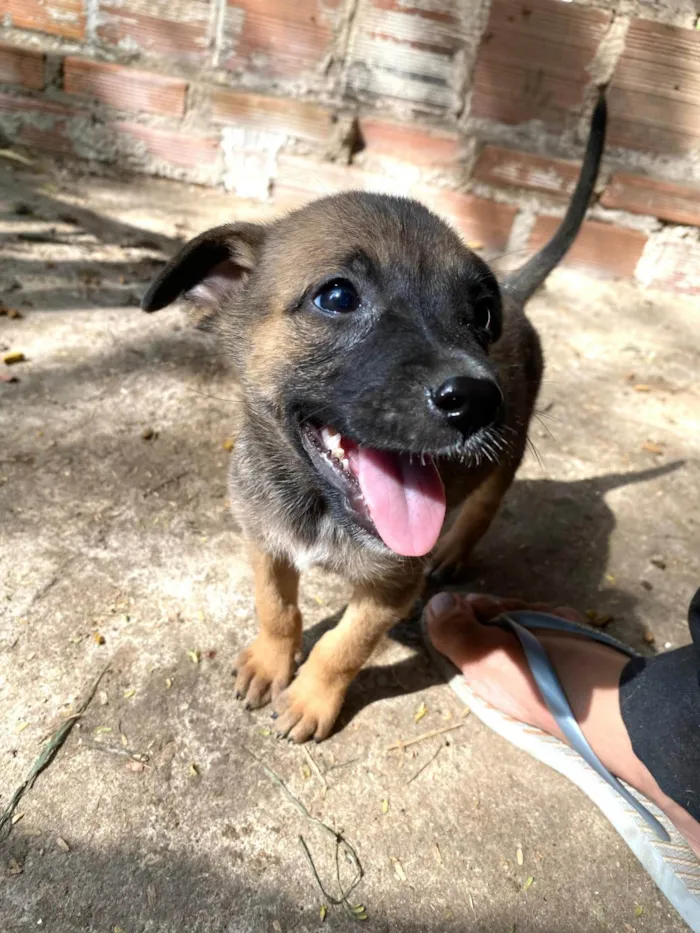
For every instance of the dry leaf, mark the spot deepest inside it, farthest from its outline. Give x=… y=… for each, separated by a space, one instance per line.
x=194 y=656
x=519 y=855
x=151 y=894
x=17 y=817
x=124 y=740
x=62 y=844
x=437 y=853
x=129 y=693
x=652 y=448
x=642 y=387
x=228 y=444
x=277 y=926
x=136 y=766
x=194 y=768
x=649 y=638
x=420 y=712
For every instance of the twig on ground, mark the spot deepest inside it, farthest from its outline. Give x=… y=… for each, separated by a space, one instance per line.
x=423 y=767
x=357 y=911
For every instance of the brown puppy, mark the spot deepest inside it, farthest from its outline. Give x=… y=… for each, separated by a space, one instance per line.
x=387 y=387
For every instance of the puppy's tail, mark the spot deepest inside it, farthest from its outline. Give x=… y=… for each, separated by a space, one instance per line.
x=529 y=277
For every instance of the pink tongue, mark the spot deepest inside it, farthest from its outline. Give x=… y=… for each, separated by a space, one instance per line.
x=405 y=498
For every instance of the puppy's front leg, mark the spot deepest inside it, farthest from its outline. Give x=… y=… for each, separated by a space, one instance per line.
x=310 y=706
x=267 y=666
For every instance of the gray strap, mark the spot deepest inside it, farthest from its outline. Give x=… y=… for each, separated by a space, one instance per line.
x=520 y=622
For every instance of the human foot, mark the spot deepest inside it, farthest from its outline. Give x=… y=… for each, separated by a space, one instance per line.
x=494 y=666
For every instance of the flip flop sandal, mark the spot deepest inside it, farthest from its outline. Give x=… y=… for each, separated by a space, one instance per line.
x=655 y=841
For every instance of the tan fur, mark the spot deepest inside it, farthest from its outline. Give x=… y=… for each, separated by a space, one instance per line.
x=309 y=708
x=266 y=667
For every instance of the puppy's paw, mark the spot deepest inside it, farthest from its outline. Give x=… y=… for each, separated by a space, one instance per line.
x=449 y=562
x=263 y=670
x=309 y=707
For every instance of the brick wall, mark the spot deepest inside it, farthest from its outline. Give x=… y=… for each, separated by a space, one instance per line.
x=477 y=107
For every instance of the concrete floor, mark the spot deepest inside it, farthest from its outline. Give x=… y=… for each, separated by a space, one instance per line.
x=158 y=814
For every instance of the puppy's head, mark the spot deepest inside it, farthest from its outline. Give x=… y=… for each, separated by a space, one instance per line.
x=360 y=328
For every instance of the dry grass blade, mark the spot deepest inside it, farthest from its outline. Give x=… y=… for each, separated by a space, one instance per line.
x=357 y=912
x=401 y=744
x=53 y=746
x=315 y=768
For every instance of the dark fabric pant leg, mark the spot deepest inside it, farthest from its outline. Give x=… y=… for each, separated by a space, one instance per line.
x=660 y=705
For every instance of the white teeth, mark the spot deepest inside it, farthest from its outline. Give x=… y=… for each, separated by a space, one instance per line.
x=346 y=463
x=338 y=453
x=330 y=437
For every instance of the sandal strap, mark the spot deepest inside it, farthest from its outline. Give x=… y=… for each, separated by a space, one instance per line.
x=519 y=623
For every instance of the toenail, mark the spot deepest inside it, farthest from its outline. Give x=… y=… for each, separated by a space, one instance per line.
x=441 y=604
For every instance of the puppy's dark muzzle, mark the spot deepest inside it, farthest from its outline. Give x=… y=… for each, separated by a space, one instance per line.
x=468 y=404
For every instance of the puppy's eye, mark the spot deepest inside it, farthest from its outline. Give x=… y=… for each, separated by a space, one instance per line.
x=482 y=317
x=338 y=297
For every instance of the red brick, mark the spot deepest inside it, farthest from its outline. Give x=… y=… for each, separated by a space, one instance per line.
x=125 y=88
x=673 y=264
x=59 y=17
x=483 y=224
x=410 y=52
x=176 y=31
x=533 y=58
x=641 y=195
x=273 y=114
x=279 y=38
x=22 y=66
x=45 y=125
x=603 y=248
x=299 y=180
x=176 y=148
x=654 y=98
x=497 y=166
x=409 y=142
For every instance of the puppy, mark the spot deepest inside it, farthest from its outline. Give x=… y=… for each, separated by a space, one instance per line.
x=387 y=382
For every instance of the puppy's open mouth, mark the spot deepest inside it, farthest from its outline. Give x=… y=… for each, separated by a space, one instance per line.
x=398 y=496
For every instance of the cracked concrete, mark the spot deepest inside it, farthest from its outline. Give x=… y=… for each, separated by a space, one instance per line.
x=114 y=529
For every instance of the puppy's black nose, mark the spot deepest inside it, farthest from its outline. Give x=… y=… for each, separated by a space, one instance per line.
x=467 y=403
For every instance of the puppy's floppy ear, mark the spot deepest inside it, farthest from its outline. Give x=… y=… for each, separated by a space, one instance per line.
x=208 y=270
